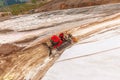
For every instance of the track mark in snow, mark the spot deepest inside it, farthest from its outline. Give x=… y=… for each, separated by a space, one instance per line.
x=89 y=54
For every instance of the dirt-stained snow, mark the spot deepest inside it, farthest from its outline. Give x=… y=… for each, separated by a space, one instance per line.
x=23 y=56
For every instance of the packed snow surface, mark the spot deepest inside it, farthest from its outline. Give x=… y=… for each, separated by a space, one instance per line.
x=95 y=58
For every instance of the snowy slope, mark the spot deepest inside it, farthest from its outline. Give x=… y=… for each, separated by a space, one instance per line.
x=31 y=30
x=95 y=58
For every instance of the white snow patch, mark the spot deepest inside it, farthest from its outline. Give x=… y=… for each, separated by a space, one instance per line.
x=97 y=60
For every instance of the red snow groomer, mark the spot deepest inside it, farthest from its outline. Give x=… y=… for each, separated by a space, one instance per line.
x=59 y=42
x=56 y=41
